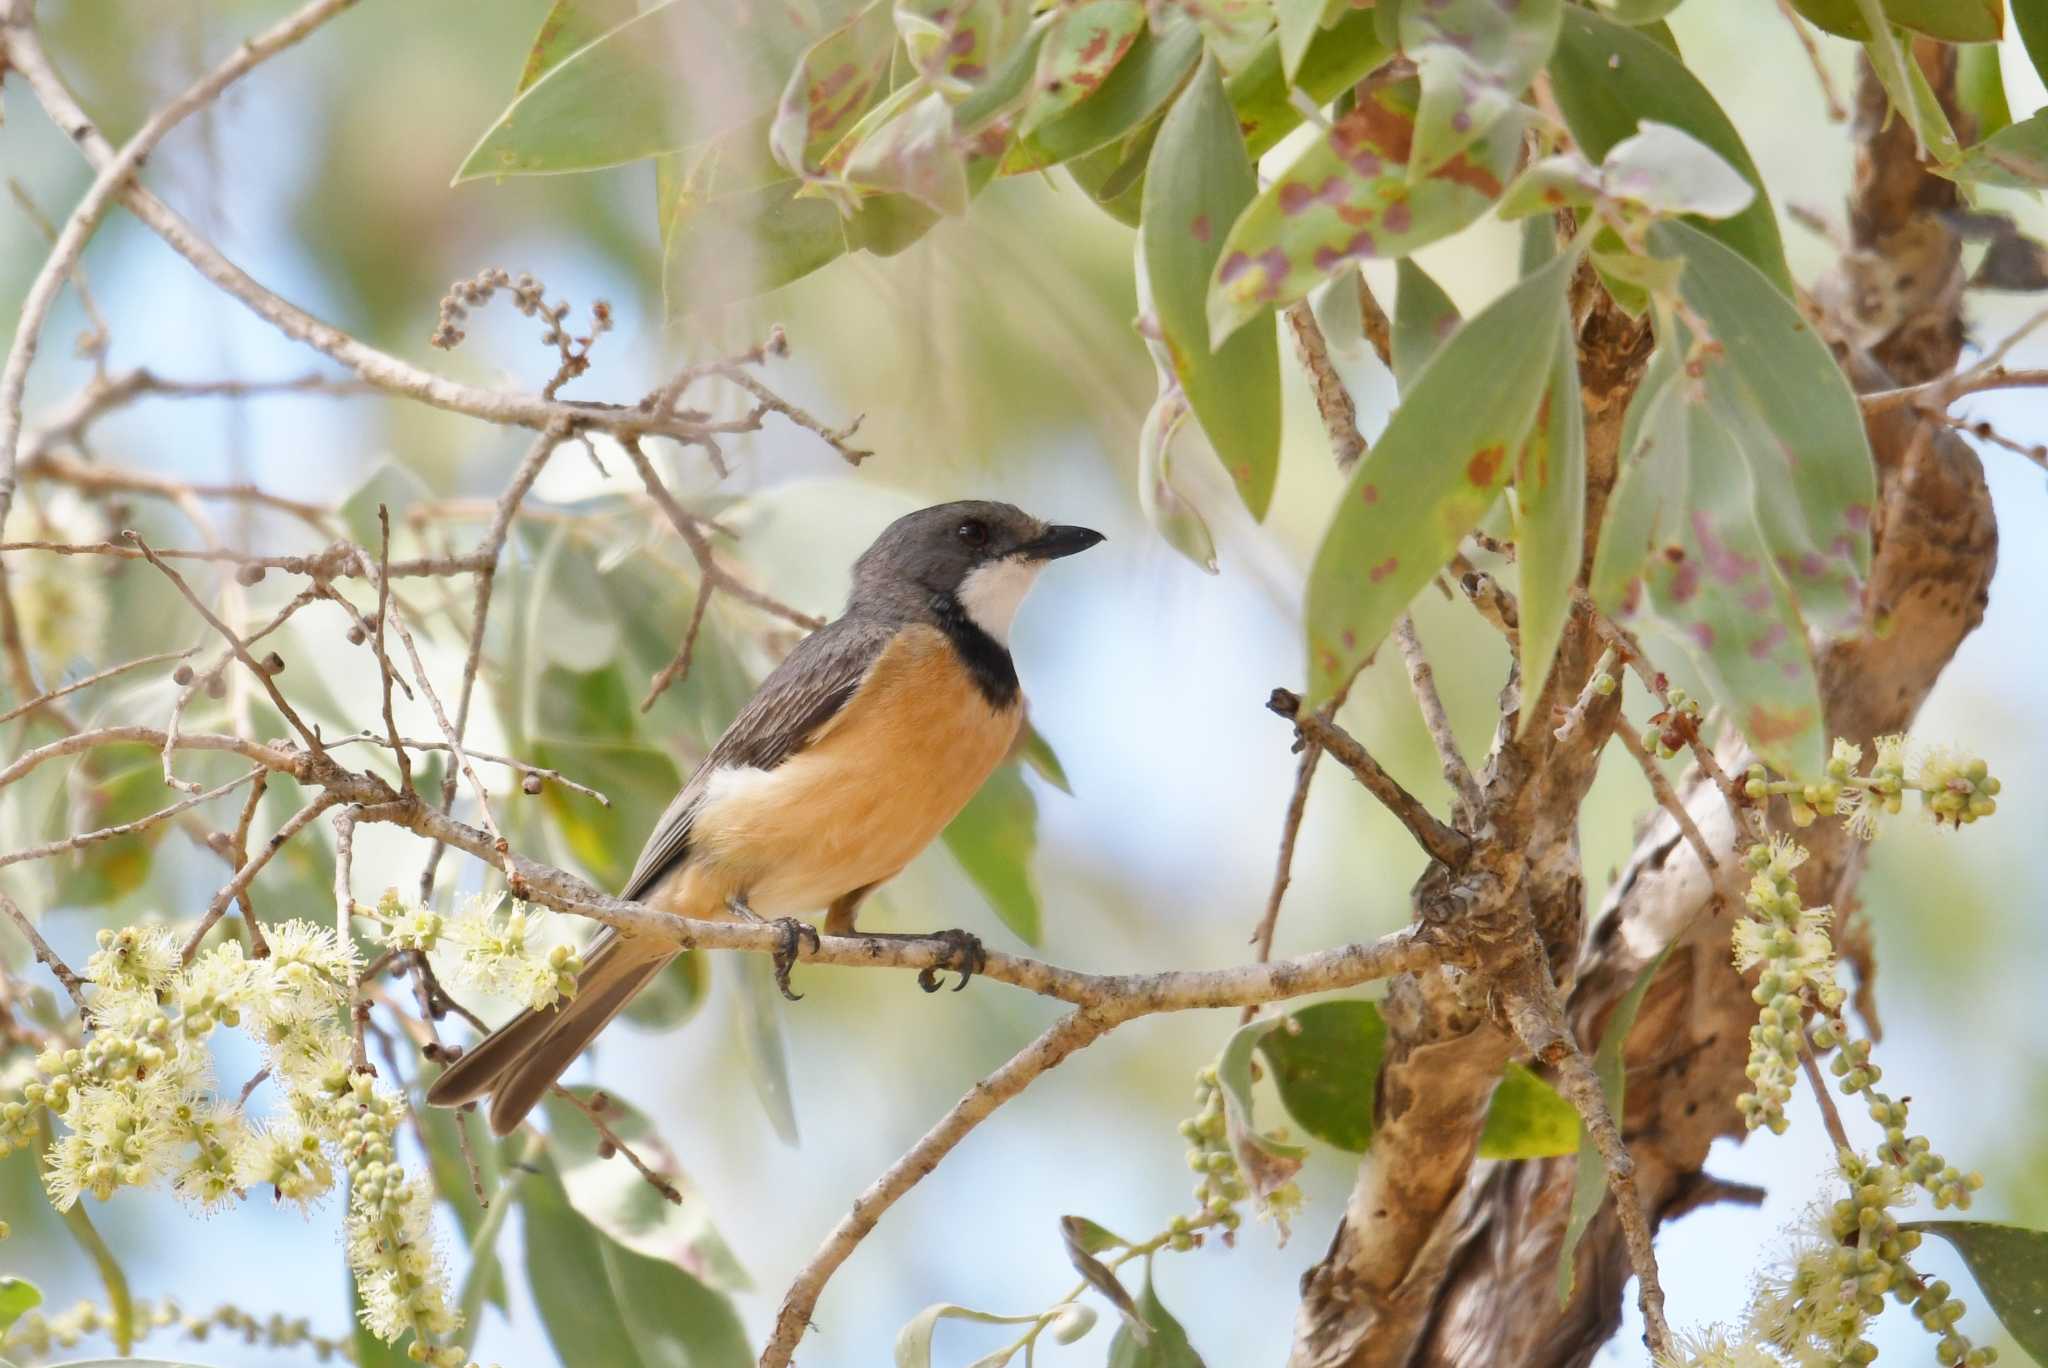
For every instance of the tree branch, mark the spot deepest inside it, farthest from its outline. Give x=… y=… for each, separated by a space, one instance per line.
x=1443 y=843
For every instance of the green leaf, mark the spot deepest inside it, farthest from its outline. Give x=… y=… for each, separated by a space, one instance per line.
x=1527 y=1119
x=17 y=1296
x=1980 y=89
x=2016 y=156
x=1432 y=475
x=740 y=245
x=1199 y=180
x=1643 y=511
x=758 y=1004
x=1550 y=516
x=1300 y=21
x=2010 y=1264
x=1952 y=21
x=1474 y=57
x=1266 y=1161
x=1566 y=180
x=1141 y=86
x=1636 y=12
x=2031 y=18
x=569 y=26
x=835 y=81
x=1325 y=1059
x=993 y=838
x=612 y=1195
x=1038 y=753
x=1338 y=57
x=1084 y=1240
x=1905 y=84
x=1083 y=45
x=1590 y=1189
x=624 y=98
x=1424 y=318
x=1608 y=77
x=917 y=154
x=638 y=779
x=484 y=1279
x=1166 y=1347
x=914 y=1340
x=1234 y=31
x=1348 y=197
x=602 y=1303
x=1170 y=512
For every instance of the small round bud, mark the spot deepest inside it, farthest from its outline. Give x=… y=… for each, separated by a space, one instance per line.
x=530 y=785
x=182 y=675
x=273 y=663
x=216 y=687
x=356 y=636
x=249 y=574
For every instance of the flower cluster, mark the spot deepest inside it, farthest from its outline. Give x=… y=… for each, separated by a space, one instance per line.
x=137 y=1106
x=1790 y=941
x=1953 y=789
x=37 y=1335
x=515 y=952
x=1222 y=1184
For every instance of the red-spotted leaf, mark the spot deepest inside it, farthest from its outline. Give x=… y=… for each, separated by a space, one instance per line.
x=1424 y=319
x=1475 y=57
x=735 y=246
x=1952 y=21
x=1608 y=78
x=1644 y=507
x=1566 y=180
x=1137 y=91
x=1232 y=30
x=568 y=26
x=835 y=82
x=1550 y=516
x=957 y=44
x=1337 y=58
x=1198 y=181
x=1083 y=45
x=916 y=153
x=2016 y=156
x=1300 y=21
x=1349 y=197
x=1435 y=471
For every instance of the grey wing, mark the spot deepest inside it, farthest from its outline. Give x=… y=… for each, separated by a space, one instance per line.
x=798 y=697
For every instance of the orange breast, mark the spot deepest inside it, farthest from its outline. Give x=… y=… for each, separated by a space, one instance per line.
x=883 y=778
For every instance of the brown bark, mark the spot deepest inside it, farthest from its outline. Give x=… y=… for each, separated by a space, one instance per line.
x=1441 y=1260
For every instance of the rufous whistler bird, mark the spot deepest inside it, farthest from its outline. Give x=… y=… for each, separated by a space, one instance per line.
x=857 y=750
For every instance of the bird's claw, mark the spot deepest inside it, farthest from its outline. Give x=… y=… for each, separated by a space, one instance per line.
x=793 y=934
x=965 y=956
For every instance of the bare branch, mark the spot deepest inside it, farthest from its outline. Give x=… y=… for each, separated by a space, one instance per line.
x=1443 y=843
x=1670 y=802
x=679 y=667
x=1333 y=400
x=90 y=680
x=595 y=1114
x=283 y=761
x=50 y=958
x=384 y=670
x=86 y=838
x=251 y=867
x=1422 y=680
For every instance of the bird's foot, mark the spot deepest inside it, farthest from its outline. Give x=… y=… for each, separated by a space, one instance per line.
x=964 y=956
x=794 y=933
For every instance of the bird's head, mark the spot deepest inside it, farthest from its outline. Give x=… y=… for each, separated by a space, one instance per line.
x=978 y=554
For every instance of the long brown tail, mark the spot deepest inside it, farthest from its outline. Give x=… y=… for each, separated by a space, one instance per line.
x=516 y=1064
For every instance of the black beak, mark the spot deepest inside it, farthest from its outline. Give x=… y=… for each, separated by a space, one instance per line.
x=1060 y=541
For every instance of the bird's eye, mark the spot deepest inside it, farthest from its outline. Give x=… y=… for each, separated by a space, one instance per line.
x=973 y=532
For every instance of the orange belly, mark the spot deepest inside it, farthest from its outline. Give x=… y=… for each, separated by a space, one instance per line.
x=856 y=805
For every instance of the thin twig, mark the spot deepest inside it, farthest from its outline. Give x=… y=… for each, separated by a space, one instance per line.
x=1333 y=400
x=86 y=683
x=335 y=560
x=1422 y=681
x=679 y=668
x=669 y=1191
x=50 y=958
x=283 y=761
x=344 y=928
x=1830 y=1115
x=251 y=867
x=1575 y=717
x=1443 y=843
x=1283 y=871
x=94 y=837
x=1631 y=651
x=384 y=670
x=540 y=772
x=1837 y=113
x=1668 y=799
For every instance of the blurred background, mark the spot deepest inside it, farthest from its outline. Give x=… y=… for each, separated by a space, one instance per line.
x=993 y=359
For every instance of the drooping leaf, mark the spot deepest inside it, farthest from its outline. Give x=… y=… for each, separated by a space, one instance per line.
x=956 y=44
x=2010 y=1264
x=1550 y=516
x=1299 y=22
x=834 y=82
x=916 y=153
x=1609 y=77
x=568 y=26
x=1669 y=171
x=1083 y=45
x=17 y=1295
x=1172 y=514
x=740 y=245
x=672 y=77
x=1198 y=182
x=758 y=1005
x=602 y=1303
x=1346 y=198
x=914 y=1340
x=1905 y=84
x=1266 y=1161
x=1166 y=1346
x=1980 y=88
x=2016 y=156
x=1338 y=57
x=1038 y=753
x=1084 y=1239
x=1435 y=471
x=1325 y=1059
x=1474 y=58
x=1952 y=21
x=1527 y=1119
x=1590 y=1189
x=612 y=1196
x=1137 y=90
x=993 y=838
x=1424 y=319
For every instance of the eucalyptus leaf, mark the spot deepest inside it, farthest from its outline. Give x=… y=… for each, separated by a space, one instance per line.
x=757 y=1004
x=2010 y=1264
x=1084 y=1239
x=1325 y=1060
x=2030 y=17
x=1266 y=1161
x=2016 y=156
x=17 y=1295
x=1299 y=21
x=1038 y=753
x=1527 y=1119
x=1165 y=1345
x=1084 y=44
x=834 y=82
x=1550 y=517
x=1474 y=58
x=1424 y=319
x=569 y=26
x=993 y=838
x=1952 y=21
x=1337 y=58
x=1140 y=87
x=1905 y=84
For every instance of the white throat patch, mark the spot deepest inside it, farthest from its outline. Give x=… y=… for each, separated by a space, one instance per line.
x=990 y=593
